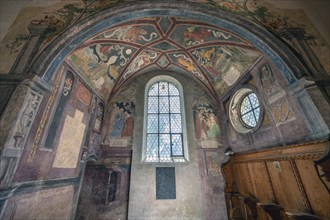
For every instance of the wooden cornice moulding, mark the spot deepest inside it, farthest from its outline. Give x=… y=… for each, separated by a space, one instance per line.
x=312 y=150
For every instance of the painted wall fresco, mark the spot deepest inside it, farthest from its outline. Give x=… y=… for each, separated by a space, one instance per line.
x=212 y=163
x=207 y=124
x=109 y=58
x=142 y=60
x=194 y=35
x=280 y=21
x=65 y=96
x=61 y=160
x=120 y=125
x=140 y=34
x=281 y=111
x=186 y=63
x=63 y=15
x=269 y=83
x=100 y=64
x=224 y=64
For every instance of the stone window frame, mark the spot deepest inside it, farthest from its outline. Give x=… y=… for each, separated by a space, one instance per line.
x=236 y=100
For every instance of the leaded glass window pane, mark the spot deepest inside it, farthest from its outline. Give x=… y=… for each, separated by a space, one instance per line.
x=153 y=123
x=164 y=145
x=177 y=145
x=173 y=90
x=163 y=88
x=152 y=143
x=176 y=123
x=163 y=105
x=153 y=90
x=153 y=105
x=175 y=104
x=250 y=110
x=164 y=123
x=246 y=106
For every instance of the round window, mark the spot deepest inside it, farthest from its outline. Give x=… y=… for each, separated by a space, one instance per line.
x=245 y=111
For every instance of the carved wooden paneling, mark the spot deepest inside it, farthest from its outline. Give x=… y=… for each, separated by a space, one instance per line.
x=243 y=179
x=230 y=180
x=285 y=186
x=316 y=191
x=261 y=182
x=291 y=179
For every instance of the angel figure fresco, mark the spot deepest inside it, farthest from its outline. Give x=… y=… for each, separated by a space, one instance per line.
x=213 y=129
x=206 y=123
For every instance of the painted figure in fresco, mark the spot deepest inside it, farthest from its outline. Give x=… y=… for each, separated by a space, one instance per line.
x=200 y=124
x=207 y=124
x=118 y=121
x=129 y=125
x=268 y=81
x=122 y=122
x=213 y=129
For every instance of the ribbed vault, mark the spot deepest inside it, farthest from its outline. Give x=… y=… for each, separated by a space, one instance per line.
x=111 y=48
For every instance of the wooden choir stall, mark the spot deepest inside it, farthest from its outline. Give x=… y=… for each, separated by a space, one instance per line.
x=289 y=182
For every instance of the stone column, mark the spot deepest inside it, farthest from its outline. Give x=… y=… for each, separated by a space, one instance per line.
x=31 y=46
x=15 y=124
x=298 y=38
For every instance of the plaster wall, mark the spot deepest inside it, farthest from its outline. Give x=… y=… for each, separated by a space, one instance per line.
x=142 y=197
x=61 y=159
x=55 y=203
x=286 y=119
x=316 y=10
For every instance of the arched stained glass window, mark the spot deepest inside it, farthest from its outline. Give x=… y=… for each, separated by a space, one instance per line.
x=164 y=139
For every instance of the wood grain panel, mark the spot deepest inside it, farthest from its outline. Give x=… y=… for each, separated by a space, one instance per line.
x=261 y=182
x=286 y=187
x=243 y=179
x=317 y=193
x=282 y=180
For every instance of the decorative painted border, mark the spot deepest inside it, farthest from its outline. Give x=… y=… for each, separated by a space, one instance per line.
x=45 y=116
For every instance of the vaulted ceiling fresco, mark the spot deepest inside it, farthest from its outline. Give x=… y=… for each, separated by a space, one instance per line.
x=169 y=36
x=213 y=56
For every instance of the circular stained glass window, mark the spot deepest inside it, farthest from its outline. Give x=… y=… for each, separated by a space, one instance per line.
x=250 y=110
